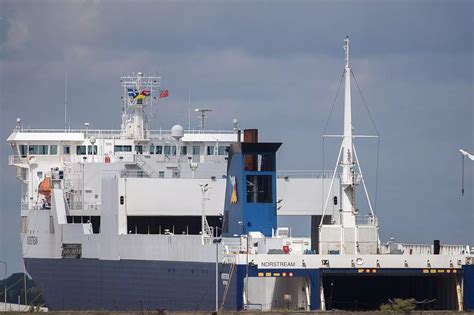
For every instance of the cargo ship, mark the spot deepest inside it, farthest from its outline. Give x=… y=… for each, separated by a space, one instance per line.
x=202 y=219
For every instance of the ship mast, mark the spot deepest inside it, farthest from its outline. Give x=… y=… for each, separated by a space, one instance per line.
x=349 y=240
x=348 y=178
x=139 y=91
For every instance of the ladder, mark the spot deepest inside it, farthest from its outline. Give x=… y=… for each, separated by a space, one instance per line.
x=149 y=171
x=226 y=289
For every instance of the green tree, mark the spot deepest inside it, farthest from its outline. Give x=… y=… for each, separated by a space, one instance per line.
x=399 y=306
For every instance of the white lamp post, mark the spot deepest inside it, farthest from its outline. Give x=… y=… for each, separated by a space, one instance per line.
x=217 y=241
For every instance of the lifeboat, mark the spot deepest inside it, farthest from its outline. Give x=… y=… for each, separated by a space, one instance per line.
x=44 y=188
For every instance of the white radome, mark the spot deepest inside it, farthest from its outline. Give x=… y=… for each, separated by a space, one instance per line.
x=177 y=132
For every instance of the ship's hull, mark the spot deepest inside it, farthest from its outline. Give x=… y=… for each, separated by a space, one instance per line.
x=93 y=284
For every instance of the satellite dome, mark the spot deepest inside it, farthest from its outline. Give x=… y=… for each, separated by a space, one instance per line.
x=177 y=132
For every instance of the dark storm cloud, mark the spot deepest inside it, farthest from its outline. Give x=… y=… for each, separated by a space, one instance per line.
x=273 y=65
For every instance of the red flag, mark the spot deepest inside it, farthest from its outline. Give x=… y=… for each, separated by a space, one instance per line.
x=164 y=93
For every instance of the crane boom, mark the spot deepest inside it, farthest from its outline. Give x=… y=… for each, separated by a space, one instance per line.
x=465 y=153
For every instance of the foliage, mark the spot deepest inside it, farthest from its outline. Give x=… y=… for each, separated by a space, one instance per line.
x=399 y=306
x=16 y=288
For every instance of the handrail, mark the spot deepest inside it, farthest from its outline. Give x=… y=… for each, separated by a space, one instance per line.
x=14 y=159
x=304 y=174
x=216 y=175
x=117 y=131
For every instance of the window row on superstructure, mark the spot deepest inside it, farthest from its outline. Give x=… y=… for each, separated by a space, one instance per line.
x=38 y=149
x=45 y=149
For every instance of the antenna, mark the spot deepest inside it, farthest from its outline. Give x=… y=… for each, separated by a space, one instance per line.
x=189 y=108
x=65 y=103
x=203 y=112
x=346 y=49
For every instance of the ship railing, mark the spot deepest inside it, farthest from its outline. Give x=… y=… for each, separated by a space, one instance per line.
x=187 y=174
x=193 y=131
x=212 y=175
x=103 y=133
x=232 y=246
x=454 y=249
x=16 y=159
x=75 y=205
x=116 y=133
x=36 y=205
x=366 y=220
x=79 y=205
x=423 y=249
x=304 y=174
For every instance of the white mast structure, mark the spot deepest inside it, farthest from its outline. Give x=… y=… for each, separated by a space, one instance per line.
x=349 y=180
x=344 y=235
x=138 y=92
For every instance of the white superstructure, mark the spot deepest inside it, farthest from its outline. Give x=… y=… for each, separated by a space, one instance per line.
x=157 y=174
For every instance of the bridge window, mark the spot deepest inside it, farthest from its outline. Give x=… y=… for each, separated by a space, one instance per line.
x=259 y=189
x=196 y=153
x=184 y=150
x=259 y=162
x=159 y=149
x=123 y=148
x=152 y=148
x=43 y=149
x=90 y=151
x=223 y=150
x=81 y=150
x=210 y=150
x=66 y=149
x=167 y=150
x=33 y=149
x=38 y=149
x=23 y=150
x=139 y=149
x=53 y=149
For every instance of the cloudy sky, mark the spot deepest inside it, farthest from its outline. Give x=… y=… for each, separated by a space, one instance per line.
x=274 y=65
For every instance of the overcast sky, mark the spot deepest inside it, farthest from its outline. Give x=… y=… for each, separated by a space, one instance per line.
x=275 y=66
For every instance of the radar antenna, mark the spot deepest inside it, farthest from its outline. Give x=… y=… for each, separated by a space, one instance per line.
x=203 y=116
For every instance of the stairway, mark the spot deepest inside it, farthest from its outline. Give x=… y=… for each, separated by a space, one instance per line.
x=145 y=167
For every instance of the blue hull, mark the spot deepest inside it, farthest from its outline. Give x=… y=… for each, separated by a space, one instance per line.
x=468 y=271
x=92 y=284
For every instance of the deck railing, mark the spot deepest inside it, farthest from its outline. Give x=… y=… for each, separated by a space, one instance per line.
x=16 y=159
x=423 y=249
x=115 y=133
x=214 y=175
x=304 y=174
